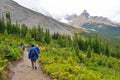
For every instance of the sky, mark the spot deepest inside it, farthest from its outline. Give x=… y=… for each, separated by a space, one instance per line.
x=105 y=8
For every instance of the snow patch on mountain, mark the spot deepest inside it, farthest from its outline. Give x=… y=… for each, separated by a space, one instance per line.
x=64 y=20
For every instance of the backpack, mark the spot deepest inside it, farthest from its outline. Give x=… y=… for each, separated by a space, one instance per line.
x=32 y=53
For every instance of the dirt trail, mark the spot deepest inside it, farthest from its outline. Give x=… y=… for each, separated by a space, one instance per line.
x=23 y=70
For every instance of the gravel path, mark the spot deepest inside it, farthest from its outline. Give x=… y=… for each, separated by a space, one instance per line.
x=24 y=71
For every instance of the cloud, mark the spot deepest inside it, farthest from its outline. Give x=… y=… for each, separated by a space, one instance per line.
x=106 y=8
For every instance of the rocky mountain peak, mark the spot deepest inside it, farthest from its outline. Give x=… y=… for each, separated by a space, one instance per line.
x=85 y=13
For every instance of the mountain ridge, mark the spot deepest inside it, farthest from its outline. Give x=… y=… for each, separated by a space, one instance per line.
x=85 y=17
x=96 y=24
x=31 y=18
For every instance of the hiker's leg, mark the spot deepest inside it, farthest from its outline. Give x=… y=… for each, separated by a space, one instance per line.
x=35 y=65
x=32 y=62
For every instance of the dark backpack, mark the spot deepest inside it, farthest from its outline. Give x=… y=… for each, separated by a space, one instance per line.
x=32 y=53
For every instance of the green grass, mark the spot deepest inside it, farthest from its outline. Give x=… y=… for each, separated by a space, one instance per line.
x=63 y=64
x=9 y=51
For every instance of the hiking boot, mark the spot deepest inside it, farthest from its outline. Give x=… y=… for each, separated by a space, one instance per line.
x=35 y=67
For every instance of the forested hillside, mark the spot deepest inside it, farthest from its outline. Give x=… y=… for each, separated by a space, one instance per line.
x=31 y=18
x=63 y=57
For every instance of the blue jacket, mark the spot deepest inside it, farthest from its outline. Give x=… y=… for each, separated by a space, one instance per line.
x=38 y=50
x=35 y=55
x=22 y=46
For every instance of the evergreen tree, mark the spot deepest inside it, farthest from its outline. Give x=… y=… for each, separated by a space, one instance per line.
x=33 y=32
x=74 y=41
x=47 y=36
x=81 y=43
x=90 y=42
x=77 y=50
x=60 y=41
x=2 y=25
x=63 y=41
x=69 y=40
x=40 y=34
x=89 y=52
x=8 y=18
x=55 y=35
x=24 y=30
x=17 y=26
x=28 y=37
x=9 y=24
x=107 y=51
x=97 y=45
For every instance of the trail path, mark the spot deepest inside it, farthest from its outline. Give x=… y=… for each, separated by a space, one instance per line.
x=23 y=71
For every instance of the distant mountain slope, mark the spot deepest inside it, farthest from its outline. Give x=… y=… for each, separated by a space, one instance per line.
x=96 y=24
x=102 y=29
x=71 y=17
x=32 y=18
x=86 y=18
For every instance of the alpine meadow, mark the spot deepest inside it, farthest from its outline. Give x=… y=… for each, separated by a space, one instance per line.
x=68 y=53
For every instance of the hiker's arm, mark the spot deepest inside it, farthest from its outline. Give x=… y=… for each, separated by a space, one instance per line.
x=36 y=52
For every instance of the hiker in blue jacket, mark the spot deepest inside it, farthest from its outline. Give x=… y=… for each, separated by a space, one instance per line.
x=33 y=55
x=22 y=46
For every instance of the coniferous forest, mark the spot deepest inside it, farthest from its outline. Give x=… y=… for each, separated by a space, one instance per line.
x=63 y=57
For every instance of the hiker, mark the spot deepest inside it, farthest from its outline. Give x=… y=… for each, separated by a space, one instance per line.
x=22 y=46
x=37 y=48
x=33 y=55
